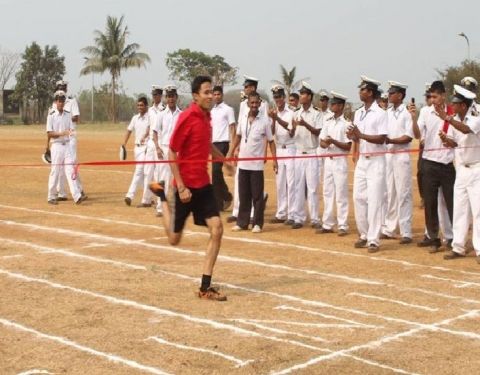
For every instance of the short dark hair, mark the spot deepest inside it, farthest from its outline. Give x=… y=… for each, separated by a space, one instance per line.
x=253 y=95
x=295 y=95
x=218 y=88
x=437 y=87
x=198 y=81
x=143 y=100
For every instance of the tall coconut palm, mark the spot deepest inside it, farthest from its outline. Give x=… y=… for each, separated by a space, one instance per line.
x=112 y=53
x=288 y=79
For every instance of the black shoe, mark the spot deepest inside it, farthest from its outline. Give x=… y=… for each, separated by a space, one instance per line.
x=323 y=231
x=81 y=199
x=297 y=225
x=435 y=246
x=275 y=220
x=231 y=219
x=448 y=244
x=452 y=255
x=128 y=201
x=342 y=232
x=360 y=244
x=426 y=242
x=52 y=202
x=289 y=222
x=384 y=236
x=405 y=240
x=62 y=199
x=316 y=225
x=372 y=248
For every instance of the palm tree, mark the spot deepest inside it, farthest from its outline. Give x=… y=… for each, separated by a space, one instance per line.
x=288 y=79
x=112 y=53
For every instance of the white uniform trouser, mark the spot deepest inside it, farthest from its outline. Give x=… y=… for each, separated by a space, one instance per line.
x=61 y=187
x=62 y=160
x=368 y=190
x=335 y=191
x=399 y=195
x=285 y=180
x=164 y=173
x=151 y=170
x=466 y=205
x=306 y=177
x=139 y=176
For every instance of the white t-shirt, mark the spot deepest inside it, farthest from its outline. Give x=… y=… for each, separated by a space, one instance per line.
x=305 y=141
x=430 y=124
x=282 y=135
x=139 y=125
x=335 y=128
x=166 y=122
x=468 y=150
x=373 y=121
x=399 y=124
x=254 y=136
x=222 y=117
x=59 y=122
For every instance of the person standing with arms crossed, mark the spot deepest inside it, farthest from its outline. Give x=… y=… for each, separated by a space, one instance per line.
x=191 y=140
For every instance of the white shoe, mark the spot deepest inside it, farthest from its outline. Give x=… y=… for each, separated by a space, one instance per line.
x=237 y=228
x=257 y=229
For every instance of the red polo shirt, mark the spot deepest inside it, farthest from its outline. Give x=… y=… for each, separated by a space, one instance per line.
x=192 y=140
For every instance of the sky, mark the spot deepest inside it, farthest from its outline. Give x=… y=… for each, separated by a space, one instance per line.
x=330 y=42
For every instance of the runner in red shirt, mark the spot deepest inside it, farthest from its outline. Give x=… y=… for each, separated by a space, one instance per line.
x=192 y=141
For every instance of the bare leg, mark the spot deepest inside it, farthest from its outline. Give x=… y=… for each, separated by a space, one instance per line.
x=215 y=227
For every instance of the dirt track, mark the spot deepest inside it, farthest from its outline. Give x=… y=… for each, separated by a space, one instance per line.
x=96 y=289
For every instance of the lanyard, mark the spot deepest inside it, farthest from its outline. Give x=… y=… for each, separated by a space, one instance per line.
x=248 y=129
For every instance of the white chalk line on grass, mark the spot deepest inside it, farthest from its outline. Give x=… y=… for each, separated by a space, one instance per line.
x=247 y=240
x=374 y=344
x=238 y=362
x=11 y=256
x=304 y=324
x=327 y=316
x=287 y=297
x=34 y=372
x=130 y=242
x=64 y=341
x=160 y=311
x=94 y=245
x=457 y=283
x=402 y=303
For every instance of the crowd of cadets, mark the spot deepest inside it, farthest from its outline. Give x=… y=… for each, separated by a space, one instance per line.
x=310 y=144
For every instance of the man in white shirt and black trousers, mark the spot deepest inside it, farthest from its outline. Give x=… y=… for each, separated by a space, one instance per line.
x=253 y=132
x=464 y=136
x=438 y=169
x=223 y=130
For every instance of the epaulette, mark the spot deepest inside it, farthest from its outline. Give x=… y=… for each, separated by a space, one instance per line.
x=52 y=112
x=475 y=113
x=70 y=97
x=316 y=108
x=297 y=109
x=330 y=118
x=66 y=111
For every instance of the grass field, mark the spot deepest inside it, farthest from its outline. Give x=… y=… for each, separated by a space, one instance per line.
x=96 y=289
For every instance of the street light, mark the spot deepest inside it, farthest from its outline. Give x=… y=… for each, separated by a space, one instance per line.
x=462 y=34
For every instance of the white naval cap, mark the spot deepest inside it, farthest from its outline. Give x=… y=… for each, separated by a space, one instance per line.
x=384 y=96
x=305 y=88
x=61 y=83
x=278 y=89
x=156 y=88
x=395 y=86
x=59 y=94
x=170 y=89
x=323 y=94
x=250 y=81
x=369 y=83
x=469 y=83
x=428 y=86
x=461 y=94
x=337 y=98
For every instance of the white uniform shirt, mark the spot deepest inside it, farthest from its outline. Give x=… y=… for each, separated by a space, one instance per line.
x=468 y=150
x=335 y=128
x=373 y=121
x=254 y=136
x=153 y=113
x=59 y=122
x=282 y=135
x=166 y=122
x=139 y=125
x=71 y=105
x=305 y=141
x=222 y=117
x=430 y=125
x=399 y=124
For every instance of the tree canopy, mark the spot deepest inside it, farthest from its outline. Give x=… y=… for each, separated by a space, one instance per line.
x=452 y=75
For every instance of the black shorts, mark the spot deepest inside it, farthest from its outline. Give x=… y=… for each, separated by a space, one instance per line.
x=202 y=205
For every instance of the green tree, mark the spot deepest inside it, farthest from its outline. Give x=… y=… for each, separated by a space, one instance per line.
x=288 y=79
x=452 y=75
x=39 y=71
x=112 y=53
x=185 y=65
